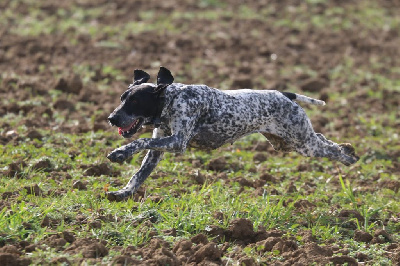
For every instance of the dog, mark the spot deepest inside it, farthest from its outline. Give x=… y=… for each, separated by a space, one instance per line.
x=206 y=118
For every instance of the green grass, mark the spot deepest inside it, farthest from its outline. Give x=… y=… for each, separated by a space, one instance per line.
x=186 y=206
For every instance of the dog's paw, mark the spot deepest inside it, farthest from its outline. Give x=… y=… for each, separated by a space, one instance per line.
x=119 y=195
x=117 y=156
x=350 y=153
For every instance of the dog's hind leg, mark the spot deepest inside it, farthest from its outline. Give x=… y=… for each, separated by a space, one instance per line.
x=149 y=162
x=317 y=146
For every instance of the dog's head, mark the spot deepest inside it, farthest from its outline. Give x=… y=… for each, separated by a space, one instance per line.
x=140 y=104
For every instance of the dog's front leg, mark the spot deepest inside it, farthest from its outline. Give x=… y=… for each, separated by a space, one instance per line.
x=149 y=162
x=174 y=143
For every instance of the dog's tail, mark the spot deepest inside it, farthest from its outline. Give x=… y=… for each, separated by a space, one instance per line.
x=302 y=98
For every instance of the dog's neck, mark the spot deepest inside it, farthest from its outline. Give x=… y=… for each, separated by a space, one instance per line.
x=159 y=108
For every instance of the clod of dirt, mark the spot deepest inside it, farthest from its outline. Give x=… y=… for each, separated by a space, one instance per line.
x=34 y=134
x=268 y=177
x=303 y=167
x=72 y=84
x=396 y=258
x=217 y=164
x=198 y=177
x=10 y=249
x=60 y=261
x=55 y=241
x=79 y=185
x=183 y=249
x=33 y=190
x=259 y=183
x=267 y=244
x=381 y=236
x=314 y=85
x=9 y=255
x=95 y=225
x=199 y=239
x=89 y=248
x=9 y=259
x=43 y=164
x=244 y=182
x=391 y=184
x=362 y=236
x=62 y=104
x=306 y=236
x=215 y=231
x=169 y=232
x=291 y=189
x=196 y=163
x=259 y=157
x=285 y=246
x=246 y=261
x=68 y=236
x=30 y=248
x=156 y=198
x=341 y=260
x=241 y=229
x=125 y=260
x=303 y=204
x=14 y=169
x=97 y=169
x=163 y=256
x=27 y=225
x=361 y=257
x=209 y=252
x=158 y=253
x=23 y=244
x=49 y=222
x=348 y=214
x=219 y=216
x=314 y=250
x=9 y=194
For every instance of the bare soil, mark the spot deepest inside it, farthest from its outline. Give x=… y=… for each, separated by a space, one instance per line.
x=235 y=55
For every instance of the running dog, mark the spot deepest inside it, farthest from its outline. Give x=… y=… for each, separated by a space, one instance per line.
x=206 y=118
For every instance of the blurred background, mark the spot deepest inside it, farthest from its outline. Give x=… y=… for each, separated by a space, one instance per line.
x=80 y=55
x=64 y=65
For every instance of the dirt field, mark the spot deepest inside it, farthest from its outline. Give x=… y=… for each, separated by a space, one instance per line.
x=63 y=66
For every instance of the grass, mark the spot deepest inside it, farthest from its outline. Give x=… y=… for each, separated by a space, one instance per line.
x=173 y=199
x=189 y=212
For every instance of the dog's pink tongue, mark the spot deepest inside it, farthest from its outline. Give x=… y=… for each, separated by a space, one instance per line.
x=122 y=129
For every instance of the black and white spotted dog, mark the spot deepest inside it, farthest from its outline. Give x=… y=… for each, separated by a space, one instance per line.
x=206 y=118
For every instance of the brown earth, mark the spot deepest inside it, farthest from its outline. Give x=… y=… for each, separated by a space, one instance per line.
x=195 y=251
x=234 y=54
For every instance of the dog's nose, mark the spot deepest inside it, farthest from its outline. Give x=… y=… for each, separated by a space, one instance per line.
x=112 y=119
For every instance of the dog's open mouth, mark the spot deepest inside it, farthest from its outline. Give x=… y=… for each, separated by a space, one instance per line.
x=128 y=131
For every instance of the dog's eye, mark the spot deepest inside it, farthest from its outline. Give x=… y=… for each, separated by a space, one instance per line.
x=133 y=100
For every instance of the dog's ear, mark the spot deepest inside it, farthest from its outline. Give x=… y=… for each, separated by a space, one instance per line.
x=164 y=78
x=140 y=76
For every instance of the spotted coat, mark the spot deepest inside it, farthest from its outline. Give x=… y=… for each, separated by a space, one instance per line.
x=206 y=118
